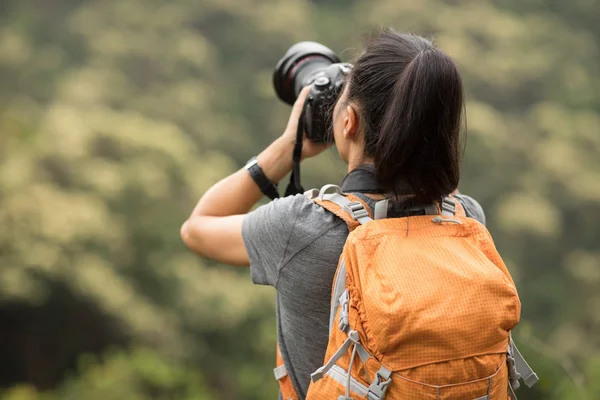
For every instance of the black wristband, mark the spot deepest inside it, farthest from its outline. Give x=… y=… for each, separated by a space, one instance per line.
x=268 y=188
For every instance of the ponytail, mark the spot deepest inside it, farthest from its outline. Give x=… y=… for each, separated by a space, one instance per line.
x=412 y=122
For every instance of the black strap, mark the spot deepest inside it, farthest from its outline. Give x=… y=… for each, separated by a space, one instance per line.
x=267 y=187
x=362 y=180
x=295 y=187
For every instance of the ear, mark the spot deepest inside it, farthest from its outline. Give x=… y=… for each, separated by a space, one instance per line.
x=350 y=123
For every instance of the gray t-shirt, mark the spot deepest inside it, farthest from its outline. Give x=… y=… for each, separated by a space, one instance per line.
x=294 y=245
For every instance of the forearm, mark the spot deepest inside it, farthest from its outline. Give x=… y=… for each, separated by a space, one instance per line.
x=238 y=193
x=214 y=229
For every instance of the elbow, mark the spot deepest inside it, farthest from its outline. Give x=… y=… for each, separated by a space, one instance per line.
x=189 y=237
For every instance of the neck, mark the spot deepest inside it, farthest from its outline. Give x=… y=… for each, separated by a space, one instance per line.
x=362 y=181
x=356 y=160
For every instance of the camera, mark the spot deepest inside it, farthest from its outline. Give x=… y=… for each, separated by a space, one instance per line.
x=311 y=63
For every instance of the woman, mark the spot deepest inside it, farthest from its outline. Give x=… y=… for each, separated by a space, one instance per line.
x=397 y=126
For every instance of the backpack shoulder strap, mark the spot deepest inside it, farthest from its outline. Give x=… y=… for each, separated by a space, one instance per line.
x=458 y=211
x=450 y=206
x=355 y=211
x=350 y=208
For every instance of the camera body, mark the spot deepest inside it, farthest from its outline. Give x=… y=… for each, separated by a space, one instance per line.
x=311 y=63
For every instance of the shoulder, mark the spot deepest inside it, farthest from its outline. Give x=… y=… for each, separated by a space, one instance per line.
x=311 y=218
x=285 y=207
x=282 y=217
x=472 y=207
x=276 y=232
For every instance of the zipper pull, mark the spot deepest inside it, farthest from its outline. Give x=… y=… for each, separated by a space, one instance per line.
x=440 y=220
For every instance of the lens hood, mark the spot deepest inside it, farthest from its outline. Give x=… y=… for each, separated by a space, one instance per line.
x=296 y=59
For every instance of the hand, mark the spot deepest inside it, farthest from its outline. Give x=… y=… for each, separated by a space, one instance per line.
x=309 y=148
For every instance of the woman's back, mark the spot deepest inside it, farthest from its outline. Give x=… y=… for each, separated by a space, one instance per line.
x=294 y=245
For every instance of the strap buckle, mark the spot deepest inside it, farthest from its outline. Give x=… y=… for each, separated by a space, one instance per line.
x=380 y=384
x=344 y=310
x=280 y=372
x=356 y=210
x=518 y=368
x=448 y=206
x=513 y=374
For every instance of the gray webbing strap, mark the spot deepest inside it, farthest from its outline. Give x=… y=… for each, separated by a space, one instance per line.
x=523 y=369
x=352 y=339
x=448 y=206
x=518 y=369
x=511 y=393
x=312 y=193
x=362 y=353
x=340 y=375
x=513 y=375
x=327 y=188
x=349 y=379
x=358 y=212
x=380 y=384
x=344 y=324
x=344 y=311
x=381 y=209
x=354 y=208
x=280 y=372
x=338 y=288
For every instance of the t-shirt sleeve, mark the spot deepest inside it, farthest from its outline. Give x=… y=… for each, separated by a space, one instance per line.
x=267 y=233
x=472 y=208
x=276 y=232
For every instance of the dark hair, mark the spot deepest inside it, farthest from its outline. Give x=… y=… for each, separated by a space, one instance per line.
x=410 y=96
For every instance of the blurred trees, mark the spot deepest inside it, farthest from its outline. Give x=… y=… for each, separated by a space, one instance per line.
x=116 y=116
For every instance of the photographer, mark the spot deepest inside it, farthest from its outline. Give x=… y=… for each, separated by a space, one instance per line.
x=396 y=123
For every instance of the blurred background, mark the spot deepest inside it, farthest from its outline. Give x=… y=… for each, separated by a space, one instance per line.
x=115 y=116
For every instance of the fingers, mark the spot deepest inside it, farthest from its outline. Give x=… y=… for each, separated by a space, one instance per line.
x=292 y=124
x=297 y=109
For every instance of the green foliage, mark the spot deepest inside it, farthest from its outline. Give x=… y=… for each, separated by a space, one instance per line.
x=136 y=375
x=116 y=116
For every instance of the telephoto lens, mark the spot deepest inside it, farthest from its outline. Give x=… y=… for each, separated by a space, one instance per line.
x=311 y=63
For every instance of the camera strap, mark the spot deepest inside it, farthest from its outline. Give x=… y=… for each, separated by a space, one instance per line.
x=295 y=187
x=362 y=180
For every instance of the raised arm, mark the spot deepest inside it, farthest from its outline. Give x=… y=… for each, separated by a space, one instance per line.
x=214 y=229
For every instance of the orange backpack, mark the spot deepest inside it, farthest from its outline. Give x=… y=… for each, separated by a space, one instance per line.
x=422 y=308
